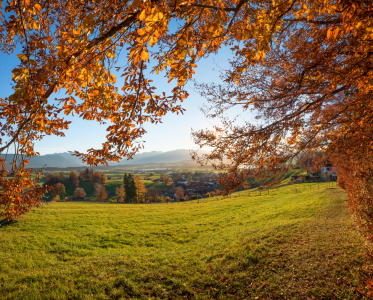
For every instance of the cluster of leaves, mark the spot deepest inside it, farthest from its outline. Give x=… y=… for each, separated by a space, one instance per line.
x=153 y=193
x=164 y=178
x=19 y=193
x=73 y=177
x=93 y=176
x=100 y=192
x=58 y=190
x=79 y=193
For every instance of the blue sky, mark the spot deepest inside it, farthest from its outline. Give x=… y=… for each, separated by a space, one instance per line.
x=173 y=133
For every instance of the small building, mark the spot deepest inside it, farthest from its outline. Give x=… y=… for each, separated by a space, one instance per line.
x=170 y=194
x=182 y=182
x=329 y=172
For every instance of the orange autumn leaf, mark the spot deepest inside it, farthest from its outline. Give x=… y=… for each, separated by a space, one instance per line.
x=144 y=55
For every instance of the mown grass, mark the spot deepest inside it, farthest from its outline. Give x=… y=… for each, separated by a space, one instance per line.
x=291 y=244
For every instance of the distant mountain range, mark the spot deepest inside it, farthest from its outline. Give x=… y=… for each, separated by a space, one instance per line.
x=66 y=160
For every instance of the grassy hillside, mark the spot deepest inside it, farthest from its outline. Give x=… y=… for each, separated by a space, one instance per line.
x=294 y=243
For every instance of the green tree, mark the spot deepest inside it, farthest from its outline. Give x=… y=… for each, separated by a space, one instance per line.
x=126 y=186
x=56 y=198
x=130 y=188
x=62 y=191
x=131 y=191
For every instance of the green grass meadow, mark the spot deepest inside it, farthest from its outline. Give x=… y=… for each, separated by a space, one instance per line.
x=297 y=242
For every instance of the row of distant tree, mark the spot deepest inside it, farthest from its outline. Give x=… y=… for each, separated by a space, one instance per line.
x=58 y=190
x=93 y=176
x=54 y=181
x=131 y=191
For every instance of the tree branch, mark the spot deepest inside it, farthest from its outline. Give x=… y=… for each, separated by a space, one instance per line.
x=127 y=22
x=215 y=7
x=335 y=21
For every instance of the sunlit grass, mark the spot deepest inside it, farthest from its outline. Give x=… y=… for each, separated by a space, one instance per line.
x=293 y=242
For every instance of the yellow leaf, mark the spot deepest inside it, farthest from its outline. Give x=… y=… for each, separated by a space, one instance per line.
x=113 y=78
x=142 y=15
x=329 y=33
x=76 y=32
x=13 y=98
x=22 y=57
x=144 y=55
x=153 y=40
x=37 y=7
x=141 y=31
x=27 y=2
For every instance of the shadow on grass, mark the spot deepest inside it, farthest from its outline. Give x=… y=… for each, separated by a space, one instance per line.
x=5 y=222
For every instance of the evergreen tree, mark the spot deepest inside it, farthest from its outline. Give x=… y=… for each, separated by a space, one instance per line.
x=131 y=192
x=126 y=187
x=125 y=178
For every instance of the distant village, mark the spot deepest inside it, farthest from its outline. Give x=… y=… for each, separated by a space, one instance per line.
x=142 y=187
x=151 y=185
x=194 y=187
